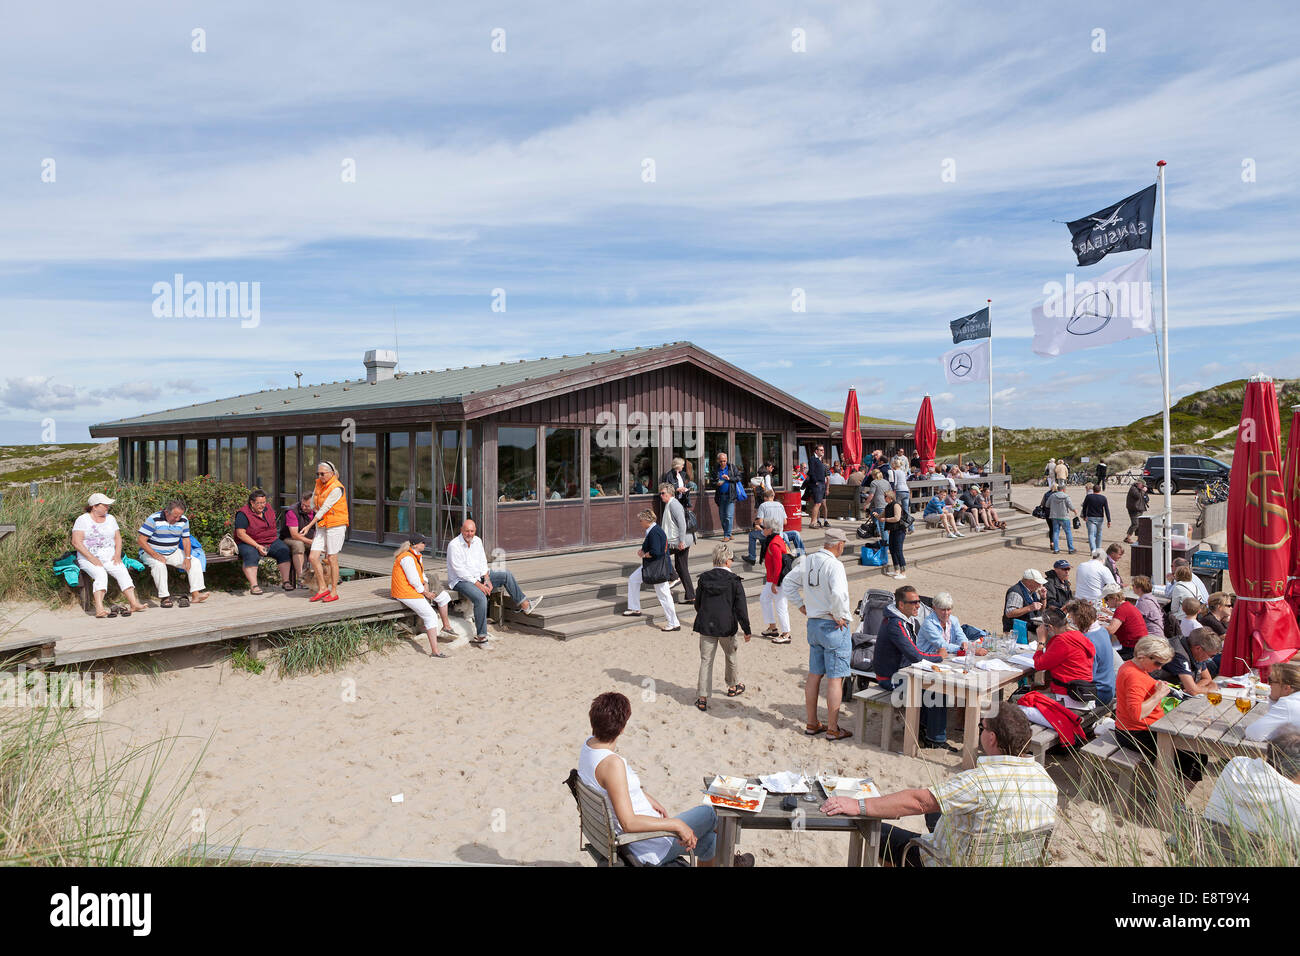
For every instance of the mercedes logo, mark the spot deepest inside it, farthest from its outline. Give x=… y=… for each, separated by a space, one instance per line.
x=960 y=364
x=1092 y=313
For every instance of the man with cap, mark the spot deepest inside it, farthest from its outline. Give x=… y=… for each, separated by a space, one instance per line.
x=1058 y=584
x=1025 y=600
x=410 y=586
x=818 y=586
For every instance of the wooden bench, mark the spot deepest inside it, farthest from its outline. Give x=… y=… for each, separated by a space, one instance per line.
x=85 y=595
x=1114 y=762
x=842 y=502
x=1042 y=740
x=877 y=698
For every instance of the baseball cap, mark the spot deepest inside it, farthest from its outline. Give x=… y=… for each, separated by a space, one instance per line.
x=416 y=538
x=1033 y=574
x=1062 y=563
x=835 y=534
x=98 y=499
x=1110 y=589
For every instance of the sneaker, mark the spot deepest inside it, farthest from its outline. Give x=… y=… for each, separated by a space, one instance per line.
x=901 y=575
x=533 y=602
x=960 y=535
x=951 y=534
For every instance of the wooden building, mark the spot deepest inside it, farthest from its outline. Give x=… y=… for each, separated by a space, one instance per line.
x=545 y=455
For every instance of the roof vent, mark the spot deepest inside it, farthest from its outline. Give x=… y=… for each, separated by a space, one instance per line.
x=380 y=364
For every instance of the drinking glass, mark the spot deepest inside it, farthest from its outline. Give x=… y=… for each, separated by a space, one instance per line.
x=811 y=784
x=1244 y=704
x=1215 y=698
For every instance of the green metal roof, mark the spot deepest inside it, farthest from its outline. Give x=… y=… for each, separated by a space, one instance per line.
x=407 y=388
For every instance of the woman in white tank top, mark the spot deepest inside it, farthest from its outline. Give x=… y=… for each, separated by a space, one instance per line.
x=631 y=808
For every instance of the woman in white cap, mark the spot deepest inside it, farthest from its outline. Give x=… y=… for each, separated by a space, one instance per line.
x=98 y=543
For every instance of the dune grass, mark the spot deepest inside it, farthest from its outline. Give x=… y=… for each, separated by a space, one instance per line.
x=327 y=647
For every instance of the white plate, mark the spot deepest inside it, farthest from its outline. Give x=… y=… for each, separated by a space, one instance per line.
x=853 y=787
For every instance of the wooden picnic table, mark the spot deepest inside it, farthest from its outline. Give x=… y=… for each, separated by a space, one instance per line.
x=1198 y=726
x=973 y=691
x=864 y=832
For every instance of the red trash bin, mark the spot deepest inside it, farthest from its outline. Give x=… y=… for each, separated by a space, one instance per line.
x=790 y=501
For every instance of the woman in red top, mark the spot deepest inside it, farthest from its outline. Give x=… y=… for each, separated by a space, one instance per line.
x=772 y=600
x=1065 y=654
x=1137 y=703
x=1127 y=625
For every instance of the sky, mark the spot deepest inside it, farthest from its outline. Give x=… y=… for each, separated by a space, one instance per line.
x=899 y=163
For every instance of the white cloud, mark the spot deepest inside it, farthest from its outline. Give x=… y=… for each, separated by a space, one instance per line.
x=42 y=394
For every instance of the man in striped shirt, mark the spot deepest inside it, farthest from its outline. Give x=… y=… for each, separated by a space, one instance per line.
x=165 y=542
x=1008 y=792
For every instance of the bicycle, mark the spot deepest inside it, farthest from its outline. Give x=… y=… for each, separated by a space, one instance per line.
x=1079 y=478
x=1212 y=492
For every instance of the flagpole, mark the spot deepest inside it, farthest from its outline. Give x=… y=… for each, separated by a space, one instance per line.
x=1164 y=334
x=990 y=308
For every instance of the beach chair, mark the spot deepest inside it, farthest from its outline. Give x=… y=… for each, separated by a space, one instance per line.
x=1027 y=848
x=596 y=833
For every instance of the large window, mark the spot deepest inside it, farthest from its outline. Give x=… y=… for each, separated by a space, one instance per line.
x=398 y=493
x=715 y=443
x=563 y=464
x=746 y=456
x=606 y=468
x=238 y=461
x=772 y=456
x=455 y=490
x=264 y=463
x=191 y=458
x=289 y=470
x=517 y=464
x=365 y=482
x=330 y=449
x=641 y=478
x=171 y=460
x=424 y=466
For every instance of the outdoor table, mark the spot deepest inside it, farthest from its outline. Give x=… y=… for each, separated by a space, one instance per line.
x=864 y=832
x=974 y=690
x=1198 y=726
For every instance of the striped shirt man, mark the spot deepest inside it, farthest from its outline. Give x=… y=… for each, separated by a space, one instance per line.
x=1001 y=795
x=165 y=536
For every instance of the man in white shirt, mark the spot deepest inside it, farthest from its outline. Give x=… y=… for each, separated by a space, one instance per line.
x=818 y=586
x=1091 y=577
x=1262 y=796
x=468 y=574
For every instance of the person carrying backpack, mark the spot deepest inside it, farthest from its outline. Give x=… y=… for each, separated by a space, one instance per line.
x=777 y=562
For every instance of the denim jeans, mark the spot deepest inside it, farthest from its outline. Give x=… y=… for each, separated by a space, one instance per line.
x=727 y=514
x=1057 y=525
x=703 y=821
x=480 y=600
x=1094 y=533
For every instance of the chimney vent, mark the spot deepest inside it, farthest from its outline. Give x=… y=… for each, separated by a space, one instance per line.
x=380 y=364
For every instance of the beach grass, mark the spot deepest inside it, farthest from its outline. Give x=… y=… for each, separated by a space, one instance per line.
x=327 y=647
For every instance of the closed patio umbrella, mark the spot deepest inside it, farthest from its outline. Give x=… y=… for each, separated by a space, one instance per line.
x=927 y=439
x=1291 y=483
x=1263 y=628
x=851 y=441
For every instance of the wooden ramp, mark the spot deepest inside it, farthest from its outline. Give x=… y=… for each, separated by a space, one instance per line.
x=69 y=638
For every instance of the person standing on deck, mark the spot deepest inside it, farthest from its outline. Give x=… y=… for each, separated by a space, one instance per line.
x=331 y=518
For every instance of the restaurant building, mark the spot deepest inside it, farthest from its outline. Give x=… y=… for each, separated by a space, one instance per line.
x=546 y=455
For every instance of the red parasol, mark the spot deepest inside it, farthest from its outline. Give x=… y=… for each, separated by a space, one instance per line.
x=1263 y=628
x=851 y=440
x=1291 y=484
x=927 y=439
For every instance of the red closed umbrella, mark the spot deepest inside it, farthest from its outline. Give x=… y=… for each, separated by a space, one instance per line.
x=851 y=440
x=1291 y=483
x=1263 y=628
x=927 y=439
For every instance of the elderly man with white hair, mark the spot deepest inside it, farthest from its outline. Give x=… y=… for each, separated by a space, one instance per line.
x=942 y=629
x=1091 y=577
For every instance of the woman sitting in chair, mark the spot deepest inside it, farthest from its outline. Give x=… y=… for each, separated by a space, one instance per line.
x=631 y=808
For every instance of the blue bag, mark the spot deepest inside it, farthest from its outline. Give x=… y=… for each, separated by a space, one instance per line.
x=876 y=557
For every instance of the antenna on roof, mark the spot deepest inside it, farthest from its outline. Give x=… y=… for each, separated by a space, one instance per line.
x=298 y=375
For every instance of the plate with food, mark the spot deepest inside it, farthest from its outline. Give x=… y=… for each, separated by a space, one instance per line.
x=856 y=788
x=750 y=799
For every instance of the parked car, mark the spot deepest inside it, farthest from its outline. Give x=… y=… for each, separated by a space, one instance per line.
x=1189 y=472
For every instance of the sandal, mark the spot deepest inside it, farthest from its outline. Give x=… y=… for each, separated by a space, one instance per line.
x=123 y=611
x=631 y=613
x=840 y=734
x=736 y=691
x=782 y=638
x=182 y=602
x=256 y=590
x=439 y=656
x=165 y=602
x=812 y=730
x=286 y=586
x=770 y=631
x=701 y=703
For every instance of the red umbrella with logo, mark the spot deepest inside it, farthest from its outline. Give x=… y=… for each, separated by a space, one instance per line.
x=851 y=440
x=1263 y=628
x=927 y=439
x=1291 y=483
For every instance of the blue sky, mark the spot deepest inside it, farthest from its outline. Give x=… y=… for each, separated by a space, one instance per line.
x=522 y=170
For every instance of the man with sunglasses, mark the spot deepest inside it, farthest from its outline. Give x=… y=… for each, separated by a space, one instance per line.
x=1007 y=792
x=896 y=648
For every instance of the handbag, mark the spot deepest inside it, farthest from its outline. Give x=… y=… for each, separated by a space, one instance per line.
x=740 y=491
x=226 y=547
x=1074 y=522
x=658 y=570
x=1039 y=512
x=692 y=522
x=1084 y=691
x=876 y=557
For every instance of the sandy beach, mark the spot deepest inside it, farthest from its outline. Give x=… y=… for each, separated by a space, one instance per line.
x=479 y=744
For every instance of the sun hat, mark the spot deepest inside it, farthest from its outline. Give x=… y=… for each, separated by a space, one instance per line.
x=98 y=499
x=1033 y=574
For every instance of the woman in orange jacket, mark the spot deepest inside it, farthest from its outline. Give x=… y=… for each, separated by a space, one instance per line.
x=332 y=520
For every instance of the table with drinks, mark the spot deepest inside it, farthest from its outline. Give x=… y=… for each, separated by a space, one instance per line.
x=745 y=802
x=1213 y=724
x=973 y=687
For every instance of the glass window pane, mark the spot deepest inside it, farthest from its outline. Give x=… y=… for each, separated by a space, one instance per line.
x=191 y=457
x=640 y=466
x=746 y=457
x=398 y=519
x=222 y=467
x=772 y=456
x=146 y=462
x=365 y=467
x=715 y=444
x=171 y=463
x=239 y=461
x=424 y=467
x=606 y=468
x=264 y=462
x=563 y=464
x=361 y=517
x=289 y=467
x=397 y=463
x=517 y=464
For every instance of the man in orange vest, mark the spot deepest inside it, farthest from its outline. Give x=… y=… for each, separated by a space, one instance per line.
x=410 y=587
x=332 y=519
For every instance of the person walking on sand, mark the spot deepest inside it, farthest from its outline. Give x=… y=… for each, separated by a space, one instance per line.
x=820 y=587
x=720 y=610
x=331 y=520
x=1136 y=503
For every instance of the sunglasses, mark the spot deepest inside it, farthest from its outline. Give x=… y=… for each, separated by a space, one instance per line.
x=913 y=601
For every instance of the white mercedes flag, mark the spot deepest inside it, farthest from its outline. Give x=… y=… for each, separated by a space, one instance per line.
x=1113 y=307
x=968 y=362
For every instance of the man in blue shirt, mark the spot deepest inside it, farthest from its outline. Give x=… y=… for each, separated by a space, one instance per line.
x=165 y=542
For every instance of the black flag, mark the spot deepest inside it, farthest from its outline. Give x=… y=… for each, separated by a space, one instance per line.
x=1118 y=228
x=973 y=326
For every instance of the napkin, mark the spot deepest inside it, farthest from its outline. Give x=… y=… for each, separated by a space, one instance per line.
x=1024 y=660
x=993 y=664
x=787 y=781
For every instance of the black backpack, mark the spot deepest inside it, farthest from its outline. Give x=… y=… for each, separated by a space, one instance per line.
x=787 y=559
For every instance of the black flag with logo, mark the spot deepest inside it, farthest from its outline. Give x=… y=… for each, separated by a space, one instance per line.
x=973 y=326
x=1118 y=228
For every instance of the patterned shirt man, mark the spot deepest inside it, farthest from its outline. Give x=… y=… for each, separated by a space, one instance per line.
x=1001 y=795
x=165 y=536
